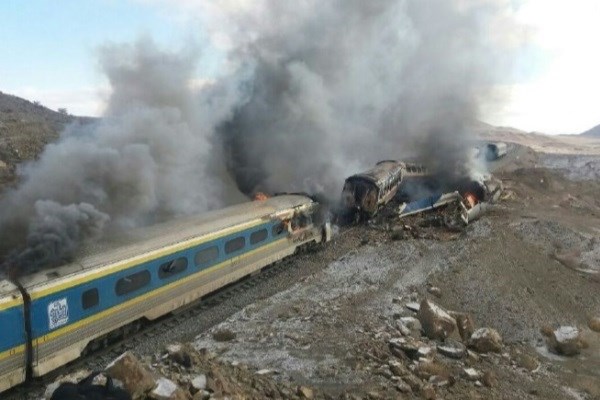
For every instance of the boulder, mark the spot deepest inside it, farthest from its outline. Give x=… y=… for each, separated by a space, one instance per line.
x=485 y=340
x=136 y=379
x=167 y=390
x=594 y=324
x=436 y=322
x=566 y=341
x=465 y=324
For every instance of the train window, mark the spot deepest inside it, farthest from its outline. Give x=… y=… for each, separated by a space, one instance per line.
x=90 y=298
x=278 y=229
x=207 y=255
x=173 y=267
x=235 y=244
x=132 y=282
x=258 y=236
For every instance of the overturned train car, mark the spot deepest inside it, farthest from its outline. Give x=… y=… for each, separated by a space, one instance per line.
x=366 y=193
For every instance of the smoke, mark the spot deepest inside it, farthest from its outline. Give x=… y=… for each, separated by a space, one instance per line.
x=310 y=92
x=338 y=85
x=150 y=157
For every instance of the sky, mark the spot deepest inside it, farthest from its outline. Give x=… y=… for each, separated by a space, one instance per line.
x=47 y=54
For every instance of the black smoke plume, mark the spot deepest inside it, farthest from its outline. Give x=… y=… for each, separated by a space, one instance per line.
x=311 y=92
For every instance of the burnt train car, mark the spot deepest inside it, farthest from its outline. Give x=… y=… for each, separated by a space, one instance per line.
x=366 y=193
x=114 y=286
x=496 y=150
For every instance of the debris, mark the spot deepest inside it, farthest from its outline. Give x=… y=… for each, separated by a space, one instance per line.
x=485 y=340
x=566 y=341
x=428 y=203
x=437 y=323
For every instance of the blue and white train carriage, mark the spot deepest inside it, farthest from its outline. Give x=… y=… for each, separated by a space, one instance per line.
x=116 y=284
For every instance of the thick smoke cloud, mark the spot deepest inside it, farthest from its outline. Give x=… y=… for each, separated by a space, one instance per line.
x=149 y=158
x=311 y=92
x=337 y=85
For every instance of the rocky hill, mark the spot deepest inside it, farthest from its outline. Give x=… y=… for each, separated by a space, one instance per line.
x=594 y=132
x=25 y=128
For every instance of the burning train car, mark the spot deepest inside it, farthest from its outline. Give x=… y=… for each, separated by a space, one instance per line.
x=364 y=194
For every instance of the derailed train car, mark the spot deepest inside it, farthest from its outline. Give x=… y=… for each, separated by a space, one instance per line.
x=364 y=194
x=114 y=287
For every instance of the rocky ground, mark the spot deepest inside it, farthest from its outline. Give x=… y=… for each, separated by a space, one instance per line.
x=504 y=309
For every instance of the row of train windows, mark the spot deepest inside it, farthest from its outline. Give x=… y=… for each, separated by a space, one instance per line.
x=138 y=280
x=416 y=169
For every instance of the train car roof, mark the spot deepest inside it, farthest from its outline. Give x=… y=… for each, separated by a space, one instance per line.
x=380 y=172
x=115 y=248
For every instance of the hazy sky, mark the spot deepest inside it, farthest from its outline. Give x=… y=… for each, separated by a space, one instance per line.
x=47 y=53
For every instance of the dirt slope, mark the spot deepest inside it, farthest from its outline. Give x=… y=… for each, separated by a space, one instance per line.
x=25 y=128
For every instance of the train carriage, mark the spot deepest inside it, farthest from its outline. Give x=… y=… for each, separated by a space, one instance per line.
x=366 y=193
x=116 y=284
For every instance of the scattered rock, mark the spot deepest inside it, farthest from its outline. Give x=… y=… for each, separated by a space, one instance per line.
x=436 y=322
x=489 y=379
x=428 y=392
x=397 y=368
x=413 y=306
x=411 y=323
x=527 y=362
x=471 y=374
x=403 y=387
x=428 y=368
x=182 y=355
x=409 y=346
x=465 y=324
x=546 y=331
x=485 y=340
x=224 y=335
x=452 y=349
x=199 y=382
x=305 y=393
x=566 y=341
x=137 y=380
x=167 y=390
x=594 y=324
x=434 y=290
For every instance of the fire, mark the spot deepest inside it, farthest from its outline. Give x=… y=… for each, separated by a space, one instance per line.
x=471 y=199
x=260 y=196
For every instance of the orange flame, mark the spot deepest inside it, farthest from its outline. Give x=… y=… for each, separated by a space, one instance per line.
x=471 y=199
x=260 y=196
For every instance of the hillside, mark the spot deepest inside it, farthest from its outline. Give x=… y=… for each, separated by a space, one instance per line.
x=25 y=128
x=594 y=132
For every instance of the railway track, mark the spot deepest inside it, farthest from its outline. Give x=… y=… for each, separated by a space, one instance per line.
x=132 y=338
